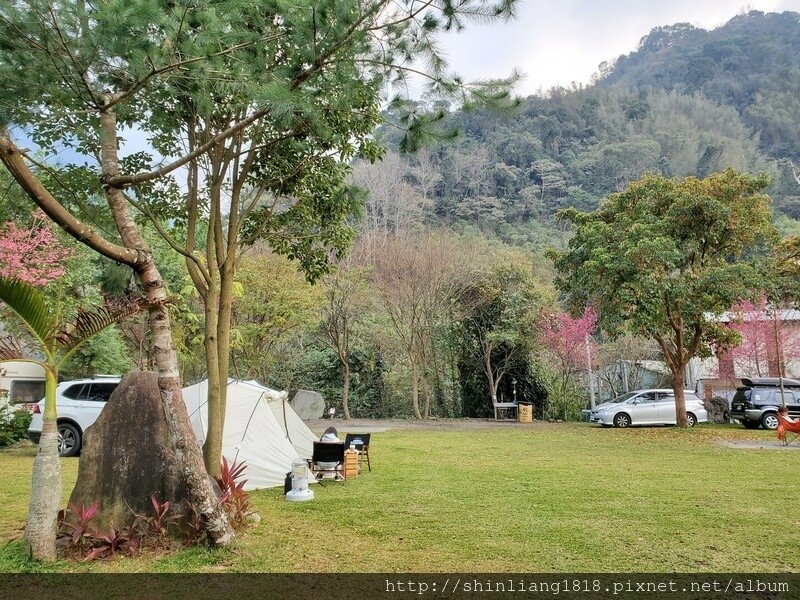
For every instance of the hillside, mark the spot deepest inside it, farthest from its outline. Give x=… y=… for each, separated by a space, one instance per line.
x=685 y=102
x=751 y=63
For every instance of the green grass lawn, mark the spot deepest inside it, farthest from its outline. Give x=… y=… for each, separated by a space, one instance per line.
x=547 y=497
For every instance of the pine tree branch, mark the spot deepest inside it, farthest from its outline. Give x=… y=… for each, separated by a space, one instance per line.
x=155 y=71
x=121 y=181
x=412 y=14
x=84 y=79
x=165 y=235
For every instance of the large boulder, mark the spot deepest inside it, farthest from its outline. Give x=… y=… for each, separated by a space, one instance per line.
x=127 y=456
x=308 y=405
x=717 y=408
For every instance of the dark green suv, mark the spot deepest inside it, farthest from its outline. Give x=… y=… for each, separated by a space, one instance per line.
x=758 y=400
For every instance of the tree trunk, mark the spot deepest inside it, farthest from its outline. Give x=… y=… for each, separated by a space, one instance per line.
x=212 y=448
x=224 y=320
x=415 y=390
x=215 y=520
x=427 y=389
x=589 y=368
x=345 y=387
x=218 y=306
x=778 y=356
x=40 y=531
x=494 y=383
x=678 y=383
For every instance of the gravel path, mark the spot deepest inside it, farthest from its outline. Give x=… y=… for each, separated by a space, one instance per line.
x=379 y=425
x=751 y=445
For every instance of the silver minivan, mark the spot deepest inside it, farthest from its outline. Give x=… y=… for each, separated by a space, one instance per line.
x=648 y=407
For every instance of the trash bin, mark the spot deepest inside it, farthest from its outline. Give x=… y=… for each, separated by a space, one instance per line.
x=525 y=412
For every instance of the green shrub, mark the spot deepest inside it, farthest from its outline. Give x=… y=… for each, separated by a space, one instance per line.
x=13 y=425
x=318 y=368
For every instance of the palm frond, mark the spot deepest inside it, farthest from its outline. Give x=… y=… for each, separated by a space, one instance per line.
x=29 y=304
x=10 y=348
x=91 y=322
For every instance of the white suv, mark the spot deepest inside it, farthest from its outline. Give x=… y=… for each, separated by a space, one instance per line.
x=79 y=404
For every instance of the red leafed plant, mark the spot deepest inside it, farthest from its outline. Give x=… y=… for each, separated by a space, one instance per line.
x=156 y=527
x=106 y=544
x=75 y=524
x=235 y=499
x=160 y=522
x=195 y=530
x=78 y=537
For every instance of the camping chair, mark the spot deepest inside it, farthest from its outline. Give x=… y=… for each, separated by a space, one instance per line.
x=361 y=442
x=787 y=425
x=327 y=452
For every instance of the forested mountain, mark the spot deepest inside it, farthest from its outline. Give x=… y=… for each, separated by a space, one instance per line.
x=686 y=102
x=752 y=64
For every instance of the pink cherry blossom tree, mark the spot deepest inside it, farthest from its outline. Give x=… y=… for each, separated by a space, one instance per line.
x=32 y=257
x=769 y=341
x=568 y=345
x=32 y=254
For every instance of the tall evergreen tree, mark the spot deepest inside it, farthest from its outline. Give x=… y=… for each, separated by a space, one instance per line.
x=657 y=259
x=270 y=96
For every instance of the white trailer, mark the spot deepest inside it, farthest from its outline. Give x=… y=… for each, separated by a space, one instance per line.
x=21 y=383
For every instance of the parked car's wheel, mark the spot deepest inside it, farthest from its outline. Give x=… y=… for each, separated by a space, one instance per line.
x=769 y=420
x=69 y=440
x=748 y=424
x=691 y=419
x=622 y=420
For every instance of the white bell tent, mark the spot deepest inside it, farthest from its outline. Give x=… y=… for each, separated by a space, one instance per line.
x=293 y=426
x=261 y=430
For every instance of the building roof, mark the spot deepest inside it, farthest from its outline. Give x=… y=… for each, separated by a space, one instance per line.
x=788 y=314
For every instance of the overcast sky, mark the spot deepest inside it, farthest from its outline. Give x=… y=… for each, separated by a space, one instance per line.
x=556 y=42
